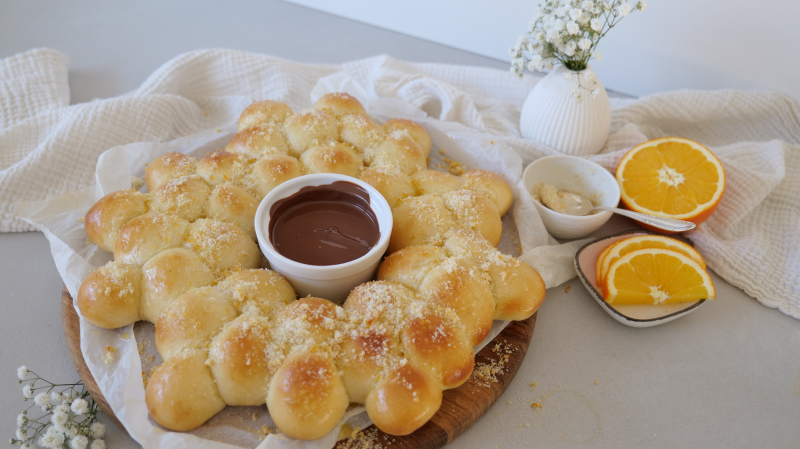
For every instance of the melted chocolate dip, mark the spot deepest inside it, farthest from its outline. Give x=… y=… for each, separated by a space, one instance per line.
x=324 y=225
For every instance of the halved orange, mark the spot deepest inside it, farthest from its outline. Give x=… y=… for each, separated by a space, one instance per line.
x=671 y=177
x=656 y=276
x=623 y=247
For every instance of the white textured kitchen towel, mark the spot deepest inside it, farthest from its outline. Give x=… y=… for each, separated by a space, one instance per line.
x=752 y=241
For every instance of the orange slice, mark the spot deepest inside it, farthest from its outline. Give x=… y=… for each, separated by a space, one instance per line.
x=656 y=276
x=623 y=247
x=671 y=177
x=598 y=267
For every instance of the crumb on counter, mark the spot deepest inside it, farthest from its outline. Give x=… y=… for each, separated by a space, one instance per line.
x=566 y=290
x=536 y=405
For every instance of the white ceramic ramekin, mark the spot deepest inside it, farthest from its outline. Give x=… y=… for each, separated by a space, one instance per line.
x=332 y=282
x=577 y=175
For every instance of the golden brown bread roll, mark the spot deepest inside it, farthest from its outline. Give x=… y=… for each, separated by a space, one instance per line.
x=341 y=104
x=185 y=197
x=147 y=235
x=240 y=362
x=181 y=393
x=168 y=275
x=308 y=128
x=265 y=111
x=258 y=141
x=222 y=166
x=168 y=167
x=232 y=204
x=360 y=132
x=413 y=130
x=331 y=158
x=404 y=400
x=109 y=215
x=271 y=171
x=110 y=296
x=394 y=345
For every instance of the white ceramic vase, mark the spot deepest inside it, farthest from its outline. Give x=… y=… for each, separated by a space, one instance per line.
x=553 y=116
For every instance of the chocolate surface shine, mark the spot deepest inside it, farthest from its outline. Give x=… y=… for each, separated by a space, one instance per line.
x=324 y=225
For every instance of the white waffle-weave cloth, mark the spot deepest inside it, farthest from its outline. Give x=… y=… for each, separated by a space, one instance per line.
x=48 y=146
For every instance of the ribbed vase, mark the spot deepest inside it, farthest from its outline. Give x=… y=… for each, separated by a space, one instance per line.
x=553 y=116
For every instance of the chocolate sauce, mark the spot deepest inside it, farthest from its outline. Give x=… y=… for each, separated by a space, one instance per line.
x=324 y=225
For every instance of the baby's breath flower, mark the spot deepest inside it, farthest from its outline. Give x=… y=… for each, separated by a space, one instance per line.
x=98 y=430
x=597 y=55
x=584 y=44
x=80 y=406
x=21 y=420
x=588 y=75
x=22 y=434
x=573 y=27
x=52 y=438
x=642 y=5
x=595 y=92
x=78 y=442
x=42 y=400
x=568 y=76
x=22 y=372
x=56 y=397
x=596 y=25
x=27 y=391
x=71 y=430
x=59 y=420
x=26 y=445
x=624 y=9
x=575 y=14
x=98 y=444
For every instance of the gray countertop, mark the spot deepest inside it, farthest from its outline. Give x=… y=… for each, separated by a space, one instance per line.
x=727 y=375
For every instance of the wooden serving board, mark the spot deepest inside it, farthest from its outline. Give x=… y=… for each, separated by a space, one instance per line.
x=461 y=407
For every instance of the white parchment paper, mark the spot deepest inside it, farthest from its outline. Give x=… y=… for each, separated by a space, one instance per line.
x=60 y=219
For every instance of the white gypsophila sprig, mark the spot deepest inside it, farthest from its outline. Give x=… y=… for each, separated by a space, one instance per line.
x=69 y=418
x=567 y=32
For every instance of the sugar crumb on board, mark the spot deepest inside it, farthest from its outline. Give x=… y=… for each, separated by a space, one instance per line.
x=533 y=386
x=536 y=405
x=566 y=290
x=360 y=439
x=486 y=374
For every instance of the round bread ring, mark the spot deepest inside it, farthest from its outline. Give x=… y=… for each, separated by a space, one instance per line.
x=232 y=334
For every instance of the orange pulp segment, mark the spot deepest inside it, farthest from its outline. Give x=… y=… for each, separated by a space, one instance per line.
x=656 y=276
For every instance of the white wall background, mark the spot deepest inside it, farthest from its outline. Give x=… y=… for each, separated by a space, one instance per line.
x=674 y=44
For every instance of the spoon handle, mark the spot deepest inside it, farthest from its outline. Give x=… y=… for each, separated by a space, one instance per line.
x=667 y=224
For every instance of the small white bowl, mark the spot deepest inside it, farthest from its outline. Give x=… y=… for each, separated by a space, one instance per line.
x=629 y=315
x=578 y=175
x=332 y=282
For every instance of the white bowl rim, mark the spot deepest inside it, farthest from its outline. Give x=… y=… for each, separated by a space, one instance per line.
x=617 y=192
x=292 y=186
x=608 y=307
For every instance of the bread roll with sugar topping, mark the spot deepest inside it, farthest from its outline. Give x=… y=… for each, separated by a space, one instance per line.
x=309 y=128
x=181 y=393
x=168 y=167
x=341 y=104
x=411 y=129
x=110 y=214
x=264 y=112
x=334 y=158
x=257 y=141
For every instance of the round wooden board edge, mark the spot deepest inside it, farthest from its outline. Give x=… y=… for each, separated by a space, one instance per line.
x=461 y=407
x=72 y=333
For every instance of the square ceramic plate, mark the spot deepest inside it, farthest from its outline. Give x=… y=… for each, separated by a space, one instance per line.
x=635 y=316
